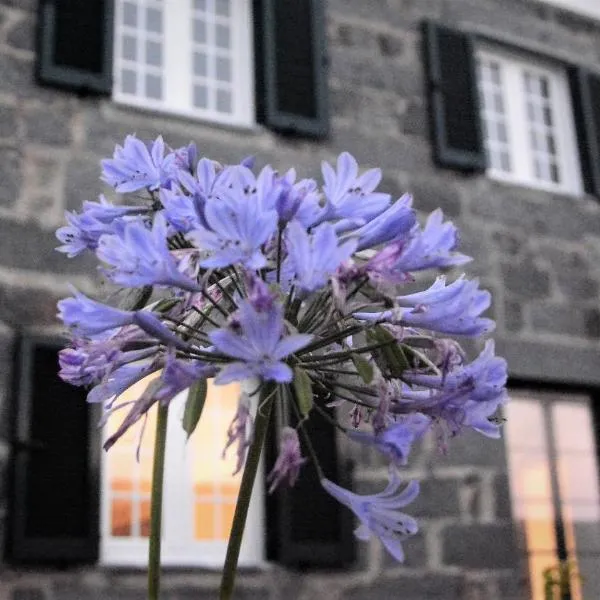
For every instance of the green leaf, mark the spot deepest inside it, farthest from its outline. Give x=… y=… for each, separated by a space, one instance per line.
x=303 y=390
x=364 y=367
x=166 y=304
x=194 y=405
x=390 y=359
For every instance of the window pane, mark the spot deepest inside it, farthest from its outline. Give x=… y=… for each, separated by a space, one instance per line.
x=153 y=87
x=200 y=63
x=128 y=81
x=222 y=36
x=223 y=69
x=153 y=53
x=121 y=517
x=153 y=20
x=199 y=31
x=525 y=424
x=129 y=47
x=200 y=96
x=130 y=14
x=223 y=101
x=222 y=8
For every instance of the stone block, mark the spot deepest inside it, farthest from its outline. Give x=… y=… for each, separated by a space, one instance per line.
x=591 y=319
x=557 y=318
x=24 y=245
x=10 y=175
x=29 y=593
x=415 y=119
x=526 y=280
x=472 y=449
x=430 y=194
x=415 y=552
x=513 y=316
x=240 y=593
x=49 y=124
x=8 y=121
x=23 y=306
x=474 y=546
x=22 y=35
x=82 y=182
x=419 y=587
x=502 y=496
x=437 y=498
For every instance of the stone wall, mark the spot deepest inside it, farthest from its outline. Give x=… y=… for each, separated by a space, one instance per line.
x=539 y=253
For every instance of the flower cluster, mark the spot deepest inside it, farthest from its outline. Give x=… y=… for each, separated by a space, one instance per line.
x=236 y=275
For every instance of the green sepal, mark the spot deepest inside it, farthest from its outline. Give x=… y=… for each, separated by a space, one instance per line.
x=303 y=390
x=194 y=405
x=390 y=358
x=363 y=367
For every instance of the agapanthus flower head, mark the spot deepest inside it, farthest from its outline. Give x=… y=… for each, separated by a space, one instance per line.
x=295 y=285
x=379 y=514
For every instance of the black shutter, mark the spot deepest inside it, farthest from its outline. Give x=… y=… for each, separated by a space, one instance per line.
x=74 y=44
x=453 y=99
x=291 y=69
x=305 y=526
x=54 y=485
x=585 y=93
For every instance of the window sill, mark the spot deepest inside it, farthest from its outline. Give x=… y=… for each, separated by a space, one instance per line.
x=538 y=186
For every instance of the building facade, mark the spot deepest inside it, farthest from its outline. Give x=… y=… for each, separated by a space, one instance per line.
x=486 y=108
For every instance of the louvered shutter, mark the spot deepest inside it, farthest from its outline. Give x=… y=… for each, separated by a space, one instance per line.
x=54 y=492
x=305 y=526
x=585 y=93
x=291 y=69
x=453 y=99
x=74 y=47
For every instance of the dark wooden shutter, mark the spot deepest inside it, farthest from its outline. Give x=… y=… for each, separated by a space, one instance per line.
x=54 y=487
x=307 y=528
x=74 y=44
x=291 y=69
x=453 y=99
x=585 y=93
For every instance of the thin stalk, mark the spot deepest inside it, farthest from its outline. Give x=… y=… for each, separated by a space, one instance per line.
x=279 y=250
x=332 y=338
x=346 y=354
x=261 y=424
x=158 y=469
x=205 y=317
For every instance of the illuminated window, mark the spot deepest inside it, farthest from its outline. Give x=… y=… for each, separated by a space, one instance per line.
x=199 y=494
x=192 y=58
x=554 y=486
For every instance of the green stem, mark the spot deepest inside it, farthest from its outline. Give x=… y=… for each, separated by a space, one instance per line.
x=158 y=469
x=261 y=424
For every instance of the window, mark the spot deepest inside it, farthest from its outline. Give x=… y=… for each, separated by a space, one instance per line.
x=199 y=490
x=527 y=123
x=554 y=486
x=518 y=116
x=194 y=59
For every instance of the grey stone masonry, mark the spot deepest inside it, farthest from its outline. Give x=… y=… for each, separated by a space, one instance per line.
x=538 y=251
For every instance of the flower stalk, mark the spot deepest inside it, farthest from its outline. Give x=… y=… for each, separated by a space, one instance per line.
x=261 y=424
x=158 y=469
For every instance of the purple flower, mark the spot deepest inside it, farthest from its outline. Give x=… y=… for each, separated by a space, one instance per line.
x=259 y=345
x=140 y=256
x=238 y=227
x=350 y=196
x=315 y=257
x=430 y=248
x=259 y=295
x=177 y=376
x=379 y=514
x=453 y=309
x=288 y=463
x=88 y=317
x=106 y=212
x=395 y=442
x=394 y=223
x=134 y=166
x=122 y=379
x=240 y=431
x=82 y=233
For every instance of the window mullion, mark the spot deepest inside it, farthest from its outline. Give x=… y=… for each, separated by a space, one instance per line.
x=519 y=140
x=178 y=57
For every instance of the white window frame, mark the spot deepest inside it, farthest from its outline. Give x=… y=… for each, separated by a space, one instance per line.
x=513 y=68
x=178 y=548
x=177 y=59
x=539 y=441
x=582 y=7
